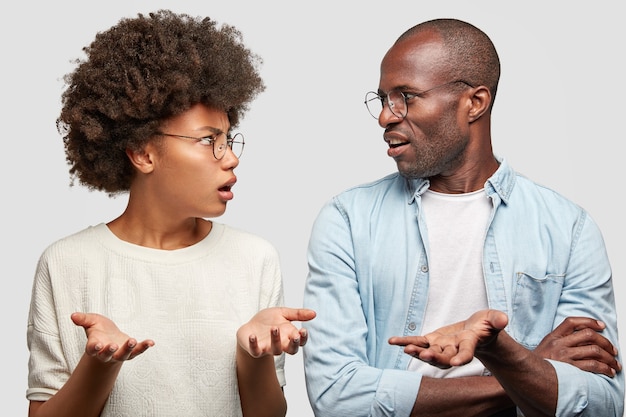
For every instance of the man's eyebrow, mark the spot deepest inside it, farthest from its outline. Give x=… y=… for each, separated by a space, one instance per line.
x=398 y=88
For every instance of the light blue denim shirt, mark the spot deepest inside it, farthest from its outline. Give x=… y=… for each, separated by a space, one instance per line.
x=544 y=260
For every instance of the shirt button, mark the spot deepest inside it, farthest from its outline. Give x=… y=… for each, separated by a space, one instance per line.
x=424 y=268
x=412 y=326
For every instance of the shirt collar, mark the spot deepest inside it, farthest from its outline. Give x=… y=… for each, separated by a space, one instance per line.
x=500 y=183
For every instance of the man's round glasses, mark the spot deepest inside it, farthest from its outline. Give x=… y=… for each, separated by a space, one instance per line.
x=219 y=140
x=396 y=100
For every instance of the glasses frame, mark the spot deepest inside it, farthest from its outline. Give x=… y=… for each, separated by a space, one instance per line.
x=373 y=95
x=210 y=140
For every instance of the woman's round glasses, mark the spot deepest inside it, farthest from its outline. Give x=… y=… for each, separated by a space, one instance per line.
x=219 y=140
x=396 y=100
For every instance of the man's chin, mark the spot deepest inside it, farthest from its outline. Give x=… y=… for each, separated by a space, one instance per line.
x=409 y=174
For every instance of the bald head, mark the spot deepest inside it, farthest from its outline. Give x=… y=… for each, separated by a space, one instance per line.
x=468 y=53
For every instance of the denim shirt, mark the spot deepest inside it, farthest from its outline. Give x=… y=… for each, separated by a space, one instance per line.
x=544 y=259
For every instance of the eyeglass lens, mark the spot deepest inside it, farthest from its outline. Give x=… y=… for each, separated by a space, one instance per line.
x=236 y=145
x=376 y=102
x=221 y=143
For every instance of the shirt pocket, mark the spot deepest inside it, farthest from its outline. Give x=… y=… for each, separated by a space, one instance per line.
x=535 y=302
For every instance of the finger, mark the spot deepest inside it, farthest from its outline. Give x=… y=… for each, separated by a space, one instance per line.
x=409 y=340
x=106 y=353
x=596 y=354
x=578 y=346
x=290 y=341
x=253 y=346
x=124 y=352
x=304 y=336
x=426 y=355
x=398 y=341
x=146 y=344
x=142 y=347
x=296 y=340
x=277 y=348
x=414 y=350
x=93 y=347
x=596 y=367
x=589 y=336
x=465 y=353
x=291 y=332
x=293 y=346
x=298 y=314
x=574 y=324
x=558 y=346
x=436 y=356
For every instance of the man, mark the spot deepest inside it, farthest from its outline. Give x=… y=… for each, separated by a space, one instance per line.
x=456 y=233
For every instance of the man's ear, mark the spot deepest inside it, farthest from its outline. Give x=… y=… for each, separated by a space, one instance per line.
x=141 y=159
x=481 y=102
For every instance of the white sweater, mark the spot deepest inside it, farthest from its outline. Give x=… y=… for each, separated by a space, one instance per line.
x=190 y=301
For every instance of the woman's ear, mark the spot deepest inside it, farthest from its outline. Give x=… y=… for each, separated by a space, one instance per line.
x=142 y=159
x=480 y=103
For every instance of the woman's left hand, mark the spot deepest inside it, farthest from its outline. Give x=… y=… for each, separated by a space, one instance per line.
x=271 y=331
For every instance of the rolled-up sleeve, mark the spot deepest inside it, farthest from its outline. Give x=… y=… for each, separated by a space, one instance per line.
x=588 y=292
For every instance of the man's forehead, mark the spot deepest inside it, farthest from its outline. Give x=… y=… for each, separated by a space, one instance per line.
x=412 y=60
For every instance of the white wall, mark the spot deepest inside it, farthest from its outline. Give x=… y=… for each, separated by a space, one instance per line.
x=558 y=119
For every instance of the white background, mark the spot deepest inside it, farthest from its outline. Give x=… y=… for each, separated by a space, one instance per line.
x=558 y=118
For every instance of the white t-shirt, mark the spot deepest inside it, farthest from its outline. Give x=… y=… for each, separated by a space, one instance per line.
x=190 y=301
x=456 y=225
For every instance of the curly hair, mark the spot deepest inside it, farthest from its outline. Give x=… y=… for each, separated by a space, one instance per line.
x=139 y=72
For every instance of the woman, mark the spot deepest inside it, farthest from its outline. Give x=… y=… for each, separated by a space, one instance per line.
x=150 y=112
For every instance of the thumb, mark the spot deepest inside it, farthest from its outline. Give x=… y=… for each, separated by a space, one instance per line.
x=78 y=318
x=298 y=314
x=83 y=319
x=498 y=319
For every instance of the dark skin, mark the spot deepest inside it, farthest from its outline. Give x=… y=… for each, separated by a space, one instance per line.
x=446 y=138
x=576 y=341
x=447 y=134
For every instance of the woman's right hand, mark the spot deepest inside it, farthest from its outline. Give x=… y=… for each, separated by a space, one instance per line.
x=105 y=341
